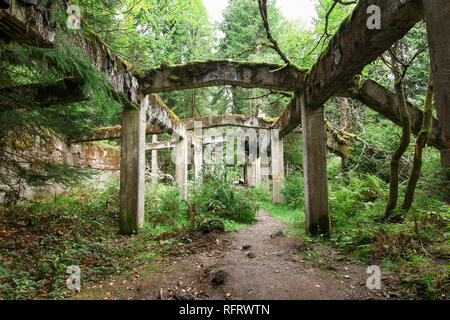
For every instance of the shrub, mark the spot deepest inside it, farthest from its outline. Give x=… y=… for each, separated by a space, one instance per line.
x=218 y=197
x=260 y=193
x=164 y=205
x=293 y=190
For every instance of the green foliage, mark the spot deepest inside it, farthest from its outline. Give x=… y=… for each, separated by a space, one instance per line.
x=357 y=203
x=217 y=196
x=165 y=209
x=260 y=193
x=32 y=126
x=293 y=190
x=40 y=239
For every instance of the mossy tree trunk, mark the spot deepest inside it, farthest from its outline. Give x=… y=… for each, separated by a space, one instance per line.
x=405 y=138
x=420 y=144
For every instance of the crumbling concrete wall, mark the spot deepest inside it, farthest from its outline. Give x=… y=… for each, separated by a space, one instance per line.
x=84 y=155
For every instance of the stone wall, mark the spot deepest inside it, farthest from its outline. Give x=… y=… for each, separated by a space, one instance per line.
x=82 y=155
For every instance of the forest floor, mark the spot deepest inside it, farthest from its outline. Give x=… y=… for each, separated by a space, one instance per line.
x=260 y=261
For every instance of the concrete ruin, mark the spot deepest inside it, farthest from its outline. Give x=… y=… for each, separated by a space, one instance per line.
x=349 y=51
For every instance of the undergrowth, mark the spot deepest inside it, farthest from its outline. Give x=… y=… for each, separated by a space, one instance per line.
x=417 y=249
x=40 y=239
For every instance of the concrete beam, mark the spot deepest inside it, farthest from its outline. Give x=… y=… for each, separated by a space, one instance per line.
x=353 y=47
x=111 y=133
x=41 y=95
x=231 y=120
x=158 y=145
x=159 y=115
x=315 y=169
x=13 y=28
x=199 y=74
x=383 y=101
x=26 y=24
x=437 y=14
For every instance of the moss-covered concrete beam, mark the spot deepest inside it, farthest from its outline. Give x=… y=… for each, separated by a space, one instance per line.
x=159 y=115
x=231 y=120
x=168 y=144
x=199 y=74
x=27 y=23
x=289 y=119
x=37 y=33
x=112 y=133
x=383 y=101
x=41 y=95
x=354 y=45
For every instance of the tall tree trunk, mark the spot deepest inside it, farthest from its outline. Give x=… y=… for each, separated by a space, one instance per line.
x=420 y=144
x=404 y=140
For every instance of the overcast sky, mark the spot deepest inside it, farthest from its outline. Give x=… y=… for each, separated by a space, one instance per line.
x=292 y=9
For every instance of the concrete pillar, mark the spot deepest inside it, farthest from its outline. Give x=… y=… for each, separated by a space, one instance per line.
x=197 y=141
x=198 y=158
x=181 y=165
x=132 y=169
x=265 y=173
x=437 y=13
x=277 y=166
x=257 y=171
x=154 y=161
x=264 y=142
x=251 y=174
x=245 y=173
x=315 y=169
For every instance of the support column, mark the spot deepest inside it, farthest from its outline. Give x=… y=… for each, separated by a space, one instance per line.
x=198 y=158
x=315 y=169
x=437 y=14
x=264 y=141
x=197 y=141
x=258 y=171
x=154 y=161
x=251 y=174
x=132 y=169
x=277 y=166
x=181 y=165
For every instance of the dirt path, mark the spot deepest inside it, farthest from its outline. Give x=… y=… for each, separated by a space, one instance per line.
x=272 y=268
